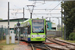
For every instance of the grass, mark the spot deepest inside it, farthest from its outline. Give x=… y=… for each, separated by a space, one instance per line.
x=4 y=46
x=0 y=49
x=68 y=40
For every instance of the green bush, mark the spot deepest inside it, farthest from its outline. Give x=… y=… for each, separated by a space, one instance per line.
x=0 y=49
x=72 y=36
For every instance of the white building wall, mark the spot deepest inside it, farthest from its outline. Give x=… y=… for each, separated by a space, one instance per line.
x=5 y=24
x=54 y=25
x=11 y=25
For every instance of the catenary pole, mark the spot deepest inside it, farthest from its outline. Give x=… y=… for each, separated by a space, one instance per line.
x=8 y=17
x=23 y=14
x=49 y=22
x=61 y=21
x=31 y=15
x=7 y=36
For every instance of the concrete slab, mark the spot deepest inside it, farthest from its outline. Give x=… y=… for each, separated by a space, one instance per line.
x=22 y=47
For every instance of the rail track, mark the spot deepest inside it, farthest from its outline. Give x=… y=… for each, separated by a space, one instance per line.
x=65 y=45
x=65 y=42
x=33 y=48
x=52 y=44
x=40 y=46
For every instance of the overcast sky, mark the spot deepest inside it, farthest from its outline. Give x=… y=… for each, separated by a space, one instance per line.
x=18 y=5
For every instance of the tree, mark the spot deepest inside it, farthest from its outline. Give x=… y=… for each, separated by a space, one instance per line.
x=69 y=11
x=1 y=19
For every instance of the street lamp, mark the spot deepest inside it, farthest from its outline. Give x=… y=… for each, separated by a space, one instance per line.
x=30 y=7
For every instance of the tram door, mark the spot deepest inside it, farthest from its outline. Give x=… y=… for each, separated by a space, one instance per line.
x=26 y=32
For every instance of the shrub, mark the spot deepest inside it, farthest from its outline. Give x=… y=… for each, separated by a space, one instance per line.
x=72 y=36
x=0 y=49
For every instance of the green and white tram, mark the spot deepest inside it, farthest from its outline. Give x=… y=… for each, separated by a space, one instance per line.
x=33 y=30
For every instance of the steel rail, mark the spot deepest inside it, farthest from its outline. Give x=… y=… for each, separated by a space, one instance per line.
x=32 y=47
x=61 y=43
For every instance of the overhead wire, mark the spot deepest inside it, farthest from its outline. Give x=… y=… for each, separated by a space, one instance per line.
x=15 y=5
x=38 y=2
x=15 y=9
x=55 y=7
x=50 y=4
x=39 y=5
x=45 y=3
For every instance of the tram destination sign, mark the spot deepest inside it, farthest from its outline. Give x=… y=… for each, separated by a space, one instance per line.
x=37 y=20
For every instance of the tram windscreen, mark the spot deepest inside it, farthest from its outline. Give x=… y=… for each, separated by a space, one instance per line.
x=37 y=26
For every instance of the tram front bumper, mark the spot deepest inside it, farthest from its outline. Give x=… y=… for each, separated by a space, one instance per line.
x=38 y=39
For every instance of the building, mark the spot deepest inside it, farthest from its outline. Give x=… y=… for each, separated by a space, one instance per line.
x=51 y=26
x=12 y=22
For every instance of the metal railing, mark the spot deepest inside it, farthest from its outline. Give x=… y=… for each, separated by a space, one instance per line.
x=3 y=32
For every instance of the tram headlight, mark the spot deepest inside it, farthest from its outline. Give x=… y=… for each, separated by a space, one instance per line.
x=43 y=36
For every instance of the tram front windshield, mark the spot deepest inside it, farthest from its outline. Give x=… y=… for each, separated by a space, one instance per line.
x=37 y=26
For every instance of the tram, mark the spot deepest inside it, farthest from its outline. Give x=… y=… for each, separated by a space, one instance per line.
x=33 y=30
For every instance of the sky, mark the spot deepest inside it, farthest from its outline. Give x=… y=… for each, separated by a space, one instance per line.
x=16 y=9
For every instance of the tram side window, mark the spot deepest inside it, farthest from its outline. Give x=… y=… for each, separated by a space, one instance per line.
x=29 y=29
x=25 y=30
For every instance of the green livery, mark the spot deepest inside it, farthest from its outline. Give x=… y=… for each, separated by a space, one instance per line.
x=33 y=30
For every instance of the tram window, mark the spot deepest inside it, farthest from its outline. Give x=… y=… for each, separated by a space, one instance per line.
x=38 y=27
x=29 y=29
x=25 y=30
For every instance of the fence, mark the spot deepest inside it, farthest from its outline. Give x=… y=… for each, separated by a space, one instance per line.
x=54 y=33
x=3 y=32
